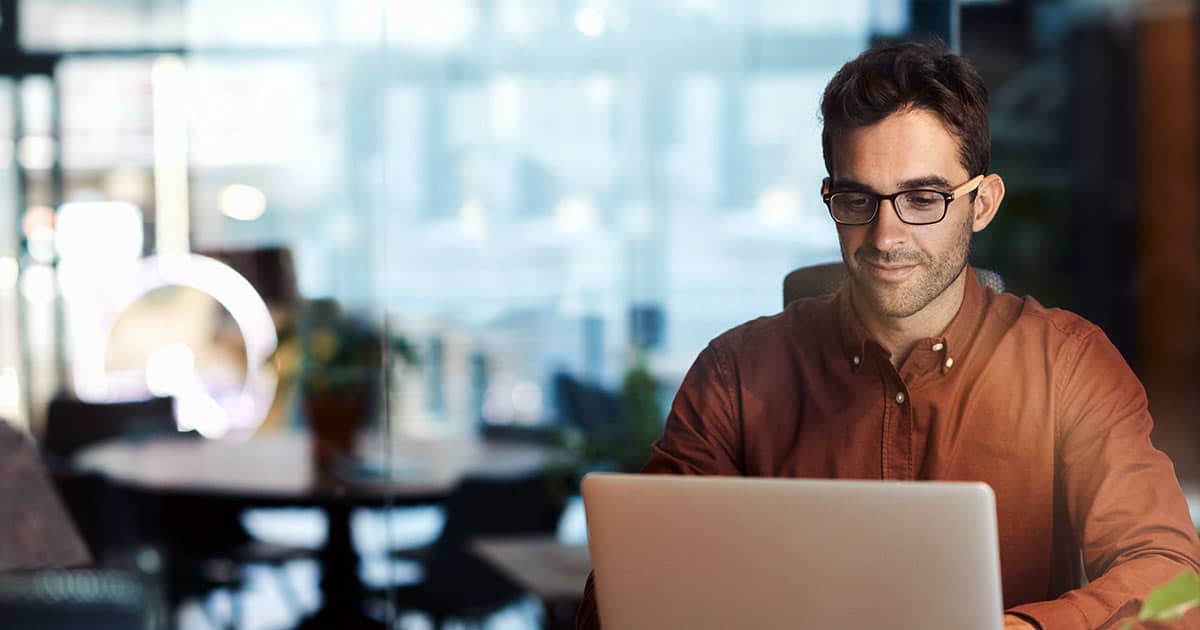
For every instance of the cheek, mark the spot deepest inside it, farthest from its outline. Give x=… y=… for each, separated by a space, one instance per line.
x=849 y=238
x=944 y=243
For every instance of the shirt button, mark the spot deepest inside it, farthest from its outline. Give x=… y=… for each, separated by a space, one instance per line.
x=856 y=360
x=899 y=398
x=937 y=347
x=949 y=362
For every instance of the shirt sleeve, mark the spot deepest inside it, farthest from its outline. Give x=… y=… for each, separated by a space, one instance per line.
x=701 y=437
x=1125 y=505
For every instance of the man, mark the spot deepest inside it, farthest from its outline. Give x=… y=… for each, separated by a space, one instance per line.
x=913 y=370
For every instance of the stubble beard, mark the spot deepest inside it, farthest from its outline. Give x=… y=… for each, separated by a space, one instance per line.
x=932 y=276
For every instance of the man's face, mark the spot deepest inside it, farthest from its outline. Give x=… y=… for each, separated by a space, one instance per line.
x=898 y=268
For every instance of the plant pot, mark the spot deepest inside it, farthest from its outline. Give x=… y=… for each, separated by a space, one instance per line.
x=335 y=416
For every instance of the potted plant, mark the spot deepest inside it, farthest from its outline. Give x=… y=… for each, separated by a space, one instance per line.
x=1168 y=603
x=340 y=373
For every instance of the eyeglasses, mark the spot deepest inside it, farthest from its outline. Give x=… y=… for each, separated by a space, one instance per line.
x=914 y=207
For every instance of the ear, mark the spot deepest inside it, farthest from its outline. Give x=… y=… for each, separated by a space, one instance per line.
x=987 y=202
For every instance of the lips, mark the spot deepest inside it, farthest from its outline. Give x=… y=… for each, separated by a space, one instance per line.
x=888 y=272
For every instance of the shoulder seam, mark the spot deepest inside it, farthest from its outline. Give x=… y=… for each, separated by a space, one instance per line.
x=724 y=373
x=1080 y=327
x=1078 y=337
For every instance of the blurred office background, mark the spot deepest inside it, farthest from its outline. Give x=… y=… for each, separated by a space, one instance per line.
x=540 y=201
x=525 y=188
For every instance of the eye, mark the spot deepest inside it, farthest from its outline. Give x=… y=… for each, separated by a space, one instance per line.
x=923 y=200
x=853 y=200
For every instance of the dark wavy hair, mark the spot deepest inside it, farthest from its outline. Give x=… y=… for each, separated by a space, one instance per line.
x=916 y=75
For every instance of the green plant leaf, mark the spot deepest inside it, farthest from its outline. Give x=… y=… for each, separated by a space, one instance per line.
x=1171 y=601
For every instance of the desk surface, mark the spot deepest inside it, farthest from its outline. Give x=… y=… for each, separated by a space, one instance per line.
x=549 y=569
x=278 y=469
x=37 y=531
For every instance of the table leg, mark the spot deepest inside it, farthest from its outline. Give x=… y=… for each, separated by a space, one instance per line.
x=342 y=589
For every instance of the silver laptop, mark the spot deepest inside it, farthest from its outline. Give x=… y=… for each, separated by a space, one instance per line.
x=732 y=552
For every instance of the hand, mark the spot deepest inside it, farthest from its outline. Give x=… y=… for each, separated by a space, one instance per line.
x=1012 y=622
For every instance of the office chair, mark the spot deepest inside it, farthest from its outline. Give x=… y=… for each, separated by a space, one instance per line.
x=205 y=545
x=100 y=599
x=73 y=424
x=460 y=585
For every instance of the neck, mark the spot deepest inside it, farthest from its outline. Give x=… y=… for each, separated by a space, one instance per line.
x=899 y=335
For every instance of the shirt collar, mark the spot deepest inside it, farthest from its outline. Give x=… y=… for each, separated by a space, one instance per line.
x=953 y=341
x=966 y=322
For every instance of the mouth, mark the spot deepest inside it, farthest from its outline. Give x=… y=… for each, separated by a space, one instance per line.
x=888 y=272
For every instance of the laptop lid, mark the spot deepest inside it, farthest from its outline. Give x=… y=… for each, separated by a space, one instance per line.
x=733 y=552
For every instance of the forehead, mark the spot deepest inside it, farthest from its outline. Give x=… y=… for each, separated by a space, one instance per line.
x=910 y=144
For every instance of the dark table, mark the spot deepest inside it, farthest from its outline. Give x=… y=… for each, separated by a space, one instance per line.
x=551 y=570
x=276 y=470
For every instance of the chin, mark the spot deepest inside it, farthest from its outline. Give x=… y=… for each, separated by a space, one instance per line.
x=895 y=308
x=894 y=300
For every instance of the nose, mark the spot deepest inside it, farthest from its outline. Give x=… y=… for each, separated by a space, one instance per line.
x=887 y=231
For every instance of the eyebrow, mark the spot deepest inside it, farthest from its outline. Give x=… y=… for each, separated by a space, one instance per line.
x=928 y=181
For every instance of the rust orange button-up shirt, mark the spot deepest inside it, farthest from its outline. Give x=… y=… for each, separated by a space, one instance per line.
x=1036 y=402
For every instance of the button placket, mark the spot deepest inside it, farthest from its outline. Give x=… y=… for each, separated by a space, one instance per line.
x=898 y=424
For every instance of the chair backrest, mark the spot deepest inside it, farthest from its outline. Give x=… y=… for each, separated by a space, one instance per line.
x=92 y=598
x=269 y=269
x=485 y=506
x=590 y=408
x=72 y=424
x=108 y=517
x=817 y=280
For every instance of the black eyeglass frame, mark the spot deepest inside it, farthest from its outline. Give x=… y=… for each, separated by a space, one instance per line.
x=966 y=187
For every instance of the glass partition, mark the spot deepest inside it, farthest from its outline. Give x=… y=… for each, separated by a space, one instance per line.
x=468 y=227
